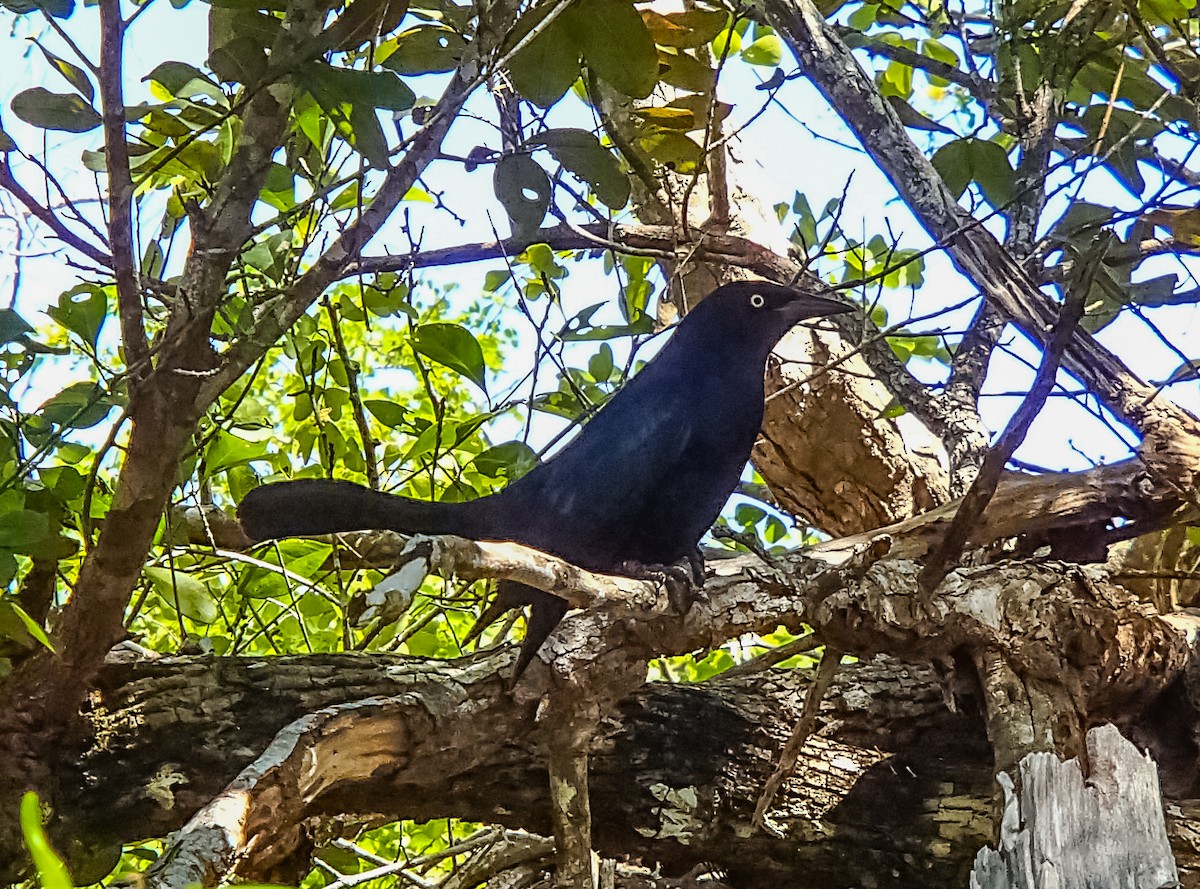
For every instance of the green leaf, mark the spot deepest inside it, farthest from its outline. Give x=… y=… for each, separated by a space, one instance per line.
x=673 y=150
x=669 y=118
x=82 y=310
x=510 y=460
x=366 y=135
x=993 y=172
x=690 y=29
x=22 y=528
x=686 y=72
x=27 y=623
x=279 y=189
x=581 y=153
x=79 y=406
x=452 y=346
x=616 y=44
x=495 y=279
x=195 y=600
x=600 y=365
x=545 y=69
x=965 y=160
x=523 y=189
x=227 y=450
x=7 y=143
x=378 y=89
x=766 y=50
x=51 y=871
x=726 y=43
x=386 y=412
x=13 y=327
x=55 y=111
x=240 y=60
x=60 y=9
x=73 y=74
x=351 y=97
x=426 y=49
x=177 y=77
x=386 y=302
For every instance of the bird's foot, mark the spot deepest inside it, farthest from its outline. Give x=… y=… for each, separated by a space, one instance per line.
x=682 y=580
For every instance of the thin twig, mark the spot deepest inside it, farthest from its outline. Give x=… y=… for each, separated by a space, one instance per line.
x=807 y=723
x=980 y=493
x=765 y=661
x=9 y=183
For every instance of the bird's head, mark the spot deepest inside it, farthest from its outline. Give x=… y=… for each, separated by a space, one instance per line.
x=758 y=312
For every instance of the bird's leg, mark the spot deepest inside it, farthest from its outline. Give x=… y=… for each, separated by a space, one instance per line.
x=545 y=612
x=682 y=579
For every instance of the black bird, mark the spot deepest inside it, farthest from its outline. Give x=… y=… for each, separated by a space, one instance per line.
x=636 y=488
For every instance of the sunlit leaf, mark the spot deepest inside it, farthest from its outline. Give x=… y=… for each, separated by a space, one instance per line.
x=426 y=49
x=386 y=412
x=193 y=597
x=51 y=872
x=22 y=625
x=72 y=73
x=673 y=150
x=690 y=28
x=766 y=50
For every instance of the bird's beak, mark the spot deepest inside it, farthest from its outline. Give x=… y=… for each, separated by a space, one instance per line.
x=805 y=306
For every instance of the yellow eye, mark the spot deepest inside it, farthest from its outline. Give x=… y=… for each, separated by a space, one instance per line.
x=757 y=300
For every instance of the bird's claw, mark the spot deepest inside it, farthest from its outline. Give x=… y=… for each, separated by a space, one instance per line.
x=681 y=580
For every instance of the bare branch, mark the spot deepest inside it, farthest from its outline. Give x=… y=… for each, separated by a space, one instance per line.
x=975 y=501
x=807 y=724
x=10 y=184
x=828 y=62
x=120 y=191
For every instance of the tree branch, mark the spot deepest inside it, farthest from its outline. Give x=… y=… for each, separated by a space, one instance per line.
x=120 y=191
x=975 y=501
x=829 y=64
x=9 y=182
x=278 y=314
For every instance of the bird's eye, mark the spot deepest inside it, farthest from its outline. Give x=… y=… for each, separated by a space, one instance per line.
x=757 y=300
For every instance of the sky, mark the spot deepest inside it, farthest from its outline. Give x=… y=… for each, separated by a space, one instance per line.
x=806 y=148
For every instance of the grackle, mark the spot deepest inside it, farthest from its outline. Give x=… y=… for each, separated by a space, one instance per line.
x=634 y=490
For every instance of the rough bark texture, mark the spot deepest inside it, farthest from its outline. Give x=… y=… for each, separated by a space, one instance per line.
x=894 y=783
x=835 y=460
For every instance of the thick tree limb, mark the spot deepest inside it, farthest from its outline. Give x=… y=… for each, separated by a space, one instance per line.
x=892 y=781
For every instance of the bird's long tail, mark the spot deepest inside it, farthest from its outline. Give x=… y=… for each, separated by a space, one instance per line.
x=323 y=506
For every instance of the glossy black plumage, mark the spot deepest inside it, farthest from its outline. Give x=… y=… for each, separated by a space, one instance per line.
x=640 y=483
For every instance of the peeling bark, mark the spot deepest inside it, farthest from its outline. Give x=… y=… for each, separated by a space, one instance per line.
x=1072 y=825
